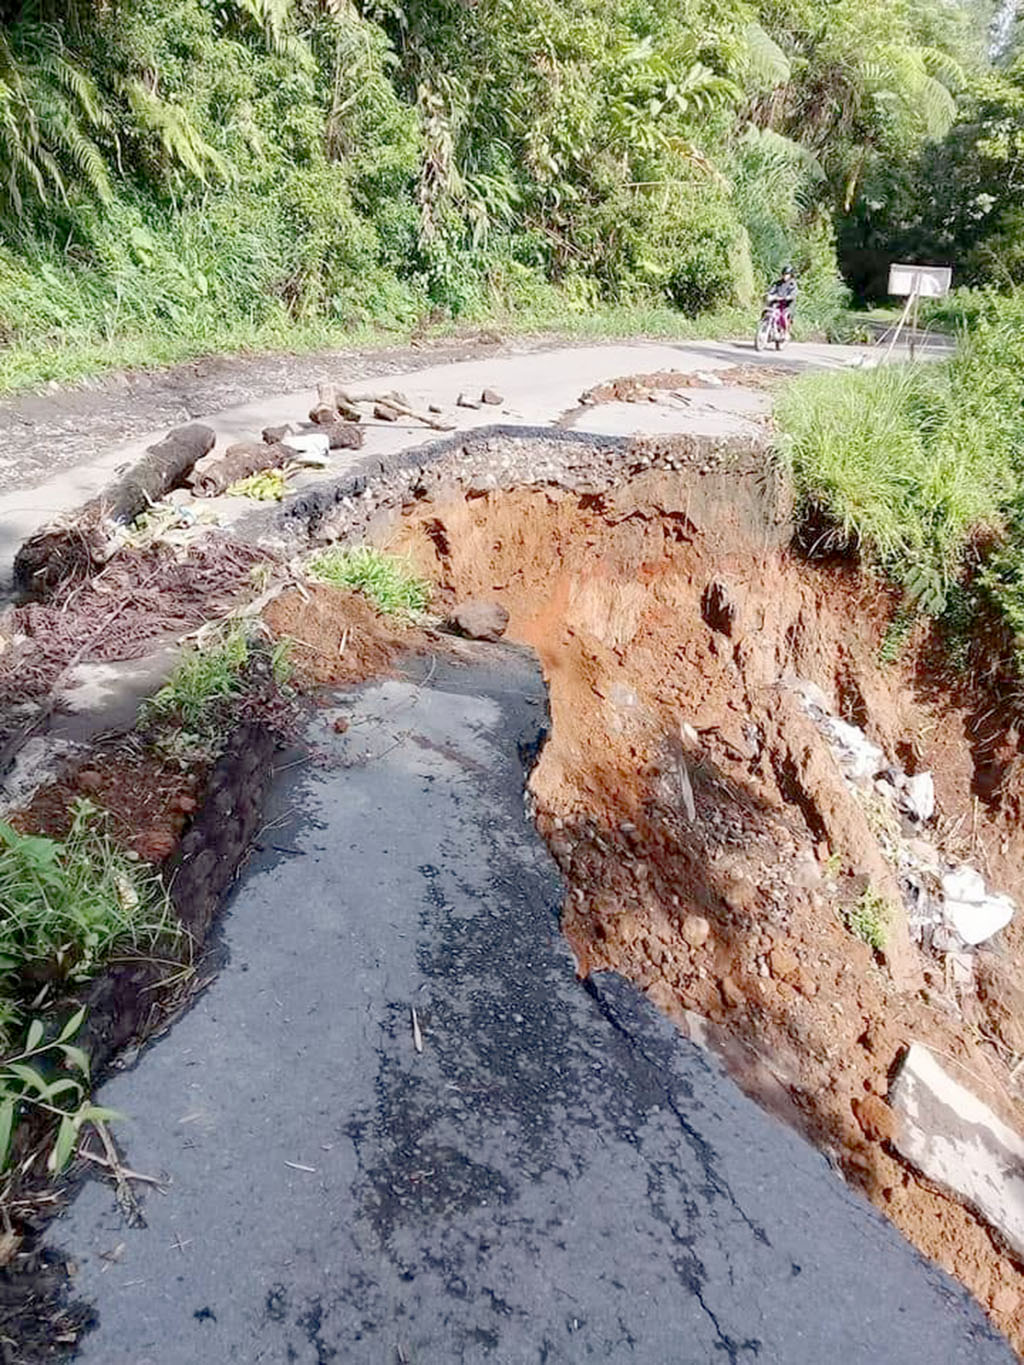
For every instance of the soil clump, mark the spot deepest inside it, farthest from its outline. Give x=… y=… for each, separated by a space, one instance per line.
x=640 y=388
x=337 y=636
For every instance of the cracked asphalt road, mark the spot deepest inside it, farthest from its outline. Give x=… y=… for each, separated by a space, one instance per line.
x=557 y=1176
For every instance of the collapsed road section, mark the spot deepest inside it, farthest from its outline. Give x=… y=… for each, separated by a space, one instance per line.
x=756 y=822
x=396 y=1128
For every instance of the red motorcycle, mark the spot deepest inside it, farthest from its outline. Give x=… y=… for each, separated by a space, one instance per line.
x=774 y=325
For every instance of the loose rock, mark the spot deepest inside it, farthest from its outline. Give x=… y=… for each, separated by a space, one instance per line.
x=273 y=436
x=479 y=620
x=783 y=962
x=344 y=436
x=877 y=1121
x=696 y=930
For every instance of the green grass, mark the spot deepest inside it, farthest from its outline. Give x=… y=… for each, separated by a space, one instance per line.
x=81 y=354
x=869 y=919
x=206 y=676
x=387 y=580
x=897 y=468
x=192 y=711
x=68 y=905
x=917 y=465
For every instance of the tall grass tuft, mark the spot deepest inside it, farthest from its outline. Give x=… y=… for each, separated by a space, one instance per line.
x=389 y=581
x=68 y=905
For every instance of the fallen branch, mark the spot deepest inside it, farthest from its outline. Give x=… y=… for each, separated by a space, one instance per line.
x=122 y=1177
x=397 y=404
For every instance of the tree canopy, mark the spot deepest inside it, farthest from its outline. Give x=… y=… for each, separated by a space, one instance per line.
x=188 y=160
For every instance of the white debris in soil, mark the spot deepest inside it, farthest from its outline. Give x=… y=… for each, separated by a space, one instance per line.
x=39 y=760
x=949 y=907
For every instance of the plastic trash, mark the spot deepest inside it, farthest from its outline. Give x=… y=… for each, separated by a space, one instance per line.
x=856 y=755
x=976 y=921
x=971 y=909
x=918 y=797
x=964 y=883
x=312 y=448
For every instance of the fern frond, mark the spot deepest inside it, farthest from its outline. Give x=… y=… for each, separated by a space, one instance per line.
x=272 y=16
x=767 y=66
x=180 y=138
x=47 y=103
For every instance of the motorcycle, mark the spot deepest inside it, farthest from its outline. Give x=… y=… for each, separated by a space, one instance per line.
x=773 y=327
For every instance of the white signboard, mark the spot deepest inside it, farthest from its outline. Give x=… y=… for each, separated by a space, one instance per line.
x=920 y=281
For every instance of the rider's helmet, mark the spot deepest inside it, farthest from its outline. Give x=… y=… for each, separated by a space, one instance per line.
x=787 y=272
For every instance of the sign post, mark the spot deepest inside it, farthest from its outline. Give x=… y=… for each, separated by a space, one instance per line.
x=914 y=283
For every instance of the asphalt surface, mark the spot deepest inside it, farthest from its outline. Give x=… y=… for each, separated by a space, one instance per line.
x=556 y=1176
x=59 y=450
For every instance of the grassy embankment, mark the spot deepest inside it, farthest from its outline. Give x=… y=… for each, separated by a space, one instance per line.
x=921 y=467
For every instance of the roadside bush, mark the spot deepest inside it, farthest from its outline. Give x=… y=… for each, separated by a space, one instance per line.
x=67 y=905
x=915 y=463
x=193 y=711
x=389 y=581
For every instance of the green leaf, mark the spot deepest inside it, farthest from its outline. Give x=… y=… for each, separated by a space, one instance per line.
x=64 y=1145
x=29 y=1076
x=6 y=1130
x=62 y=1086
x=94 y=1113
x=35 y=1035
x=72 y=1026
x=77 y=1057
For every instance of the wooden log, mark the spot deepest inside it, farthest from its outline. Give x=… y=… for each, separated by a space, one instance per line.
x=80 y=544
x=325 y=411
x=396 y=403
x=237 y=462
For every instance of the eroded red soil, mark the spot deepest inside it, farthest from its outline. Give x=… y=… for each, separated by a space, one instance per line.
x=707 y=840
x=337 y=636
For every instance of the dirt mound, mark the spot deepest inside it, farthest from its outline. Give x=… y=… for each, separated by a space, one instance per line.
x=639 y=388
x=338 y=635
x=147 y=795
x=713 y=853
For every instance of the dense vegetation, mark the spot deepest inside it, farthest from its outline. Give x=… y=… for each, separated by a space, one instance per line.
x=957 y=199
x=181 y=175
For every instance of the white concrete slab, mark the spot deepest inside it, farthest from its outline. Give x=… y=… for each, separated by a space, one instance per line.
x=955 y=1139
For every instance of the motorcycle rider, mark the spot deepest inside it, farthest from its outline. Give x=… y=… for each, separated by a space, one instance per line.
x=784 y=292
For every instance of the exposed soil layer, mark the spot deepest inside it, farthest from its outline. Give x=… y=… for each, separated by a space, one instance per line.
x=708 y=841
x=148 y=797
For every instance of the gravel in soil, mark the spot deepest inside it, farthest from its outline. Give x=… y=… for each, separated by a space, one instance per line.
x=641 y=388
x=707 y=841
